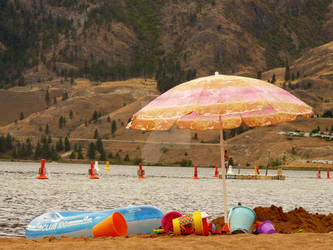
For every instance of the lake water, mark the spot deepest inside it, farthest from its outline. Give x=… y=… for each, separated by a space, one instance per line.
x=22 y=197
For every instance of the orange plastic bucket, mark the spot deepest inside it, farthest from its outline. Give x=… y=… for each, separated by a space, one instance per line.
x=114 y=226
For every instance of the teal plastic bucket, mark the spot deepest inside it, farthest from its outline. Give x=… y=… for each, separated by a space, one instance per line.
x=241 y=219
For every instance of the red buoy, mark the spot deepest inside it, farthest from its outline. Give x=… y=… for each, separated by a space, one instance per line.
x=195 y=172
x=318 y=174
x=42 y=171
x=92 y=171
x=328 y=174
x=141 y=172
x=216 y=171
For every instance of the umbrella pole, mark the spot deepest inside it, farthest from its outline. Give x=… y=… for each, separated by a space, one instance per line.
x=224 y=186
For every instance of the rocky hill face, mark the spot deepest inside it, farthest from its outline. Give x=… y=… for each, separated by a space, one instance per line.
x=119 y=39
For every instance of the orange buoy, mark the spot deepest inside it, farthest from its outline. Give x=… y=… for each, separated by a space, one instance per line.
x=92 y=171
x=318 y=174
x=216 y=171
x=195 y=172
x=141 y=172
x=42 y=171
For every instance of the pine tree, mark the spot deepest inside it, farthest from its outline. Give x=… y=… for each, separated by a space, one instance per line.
x=47 y=128
x=126 y=158
x=38 y=152
x=64 y=96
x=96 y=135
x=59 y=145
x=99 y=145
x=273 y=79
x=79 y=153
x=13 y=153
x=287 y=73
x=60 y=122
x=45 y=150
x=102 y=155
x=9 y=142
x=3 y=148
x=53 y=155
x=259 y=75
x=21 y=116
x=47 y=97
x=94 y=116
x=20 y=149
x=28 y=147
x=110 y=155
x=72 y=156
x=71 y=114
x=91 y=151
x=114 y=127
x=67 y=144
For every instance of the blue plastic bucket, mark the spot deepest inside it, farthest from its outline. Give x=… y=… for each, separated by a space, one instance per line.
x=241 y=219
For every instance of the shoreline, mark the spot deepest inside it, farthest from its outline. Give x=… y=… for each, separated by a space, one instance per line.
x=284 y=167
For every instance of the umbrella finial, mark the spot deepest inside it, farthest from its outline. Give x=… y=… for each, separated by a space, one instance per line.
x=216 y=73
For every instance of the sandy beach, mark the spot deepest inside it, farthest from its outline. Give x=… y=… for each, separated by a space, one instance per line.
x=296 y=229
x=275 y=241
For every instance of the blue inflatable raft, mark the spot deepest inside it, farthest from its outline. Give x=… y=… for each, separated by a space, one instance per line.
x=140 y=219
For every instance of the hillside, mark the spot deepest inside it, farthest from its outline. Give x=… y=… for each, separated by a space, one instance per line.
x=118 y=101
x=74 y=83
x=172 y=40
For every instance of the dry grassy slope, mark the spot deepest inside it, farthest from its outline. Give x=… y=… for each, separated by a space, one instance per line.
x=120 y=100
x=18 y=100
x=84 y=99
x=315 y=67
x=252 y=146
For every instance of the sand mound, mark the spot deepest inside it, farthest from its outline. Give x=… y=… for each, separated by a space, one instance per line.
x=297 y=220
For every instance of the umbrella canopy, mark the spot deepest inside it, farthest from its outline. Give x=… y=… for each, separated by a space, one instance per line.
x=220 y=102
x=197 y=104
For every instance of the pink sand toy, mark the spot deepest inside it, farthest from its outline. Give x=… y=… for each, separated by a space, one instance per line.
x=267 y=227
x=166 y=221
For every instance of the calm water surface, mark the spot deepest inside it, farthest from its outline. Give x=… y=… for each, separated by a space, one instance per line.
x=22 y=197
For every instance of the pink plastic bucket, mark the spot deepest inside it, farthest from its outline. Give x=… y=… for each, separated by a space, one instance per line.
x=166 y=221
x=267 y=227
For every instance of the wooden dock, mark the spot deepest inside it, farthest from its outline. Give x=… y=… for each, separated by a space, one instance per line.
x=254 y=177
x=279 y=176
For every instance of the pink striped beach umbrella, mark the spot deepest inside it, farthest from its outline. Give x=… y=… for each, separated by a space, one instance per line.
x=220 y=102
